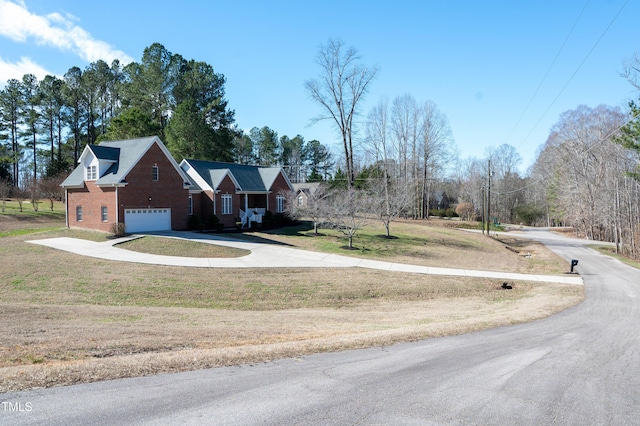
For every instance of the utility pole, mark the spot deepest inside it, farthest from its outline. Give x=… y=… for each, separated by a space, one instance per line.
x=484 y=207
x=489 y=201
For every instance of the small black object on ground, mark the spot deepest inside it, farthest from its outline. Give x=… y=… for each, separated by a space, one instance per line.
x=506 y=286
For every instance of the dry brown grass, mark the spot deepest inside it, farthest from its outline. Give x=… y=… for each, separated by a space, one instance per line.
x=182 y=248
x=69 y=319
x=434 y=243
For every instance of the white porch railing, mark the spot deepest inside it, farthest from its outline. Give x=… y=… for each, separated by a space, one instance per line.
x=251 y=215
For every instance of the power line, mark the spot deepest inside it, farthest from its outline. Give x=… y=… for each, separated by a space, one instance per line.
x=526 y=108
x=601 y=140
x=575 y=72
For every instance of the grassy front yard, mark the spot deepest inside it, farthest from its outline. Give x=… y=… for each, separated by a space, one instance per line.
x=70 y=319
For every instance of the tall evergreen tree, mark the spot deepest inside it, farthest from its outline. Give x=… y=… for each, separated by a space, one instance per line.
x=188 y=135
x=319 y=159
x=32 y=117
x=293 y=155
x=630 y=134
x=265 y=143
x=72 y=93
x=243 y=149
x=131 y=123
x=149 y=84
x=52 y=112
x=11 y=102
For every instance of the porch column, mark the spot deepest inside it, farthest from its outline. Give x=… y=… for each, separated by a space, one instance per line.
x=246 y=203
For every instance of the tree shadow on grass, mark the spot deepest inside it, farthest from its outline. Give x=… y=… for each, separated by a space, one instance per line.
x=387 y=237
x=313 y=234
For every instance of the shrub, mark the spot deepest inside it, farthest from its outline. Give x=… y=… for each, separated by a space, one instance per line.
x=194 y=223
x=117 y=229
x=215 y=223
x=268 y=220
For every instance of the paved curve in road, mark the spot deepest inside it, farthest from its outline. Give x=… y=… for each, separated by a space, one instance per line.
x=579 y=367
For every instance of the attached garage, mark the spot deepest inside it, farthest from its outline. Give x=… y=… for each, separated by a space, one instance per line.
x=146 y=220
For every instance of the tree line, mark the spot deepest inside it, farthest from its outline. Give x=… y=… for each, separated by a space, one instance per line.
x=45 y=125
x=586 y=174
x=401 y=154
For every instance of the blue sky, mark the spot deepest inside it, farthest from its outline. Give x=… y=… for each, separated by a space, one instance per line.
x=481 y=62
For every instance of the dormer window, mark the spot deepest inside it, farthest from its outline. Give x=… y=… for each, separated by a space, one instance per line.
x=154 y=173
x=92 y=173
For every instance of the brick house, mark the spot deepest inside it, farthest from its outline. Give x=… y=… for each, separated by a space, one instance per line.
x=304 y=191
x=236 y=192
x=136 y=182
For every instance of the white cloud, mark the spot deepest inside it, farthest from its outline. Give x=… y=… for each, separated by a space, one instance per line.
x=20 y=25
x=17 y=70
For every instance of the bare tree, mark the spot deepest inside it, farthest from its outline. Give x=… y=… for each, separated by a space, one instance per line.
x=20 y=194
x=340 y=88
x=507 y=184
x=32 y=189
x=465 y=210
x=51 y=189
x=377 y=133
x=5 y=190
x=349 y=211
x=392 y=205
x=405 y=127
x=471 y=180
x=315 y=206
x=584 y=170
x=437 y=151
x=631 y=70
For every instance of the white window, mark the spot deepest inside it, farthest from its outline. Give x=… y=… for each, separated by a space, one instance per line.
x=227 y=207
x=79 y=213
x=279 y=204
x=154 y=173
x=105 y=216
x=300 y=201
x=92 y=173
x=190 y=205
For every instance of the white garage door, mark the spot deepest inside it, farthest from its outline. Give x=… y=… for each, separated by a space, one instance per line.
x=145 y=220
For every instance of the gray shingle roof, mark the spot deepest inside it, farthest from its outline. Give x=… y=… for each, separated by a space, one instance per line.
x=124 y=154
x=131 y=151
x=104 y=152
x=249 y=178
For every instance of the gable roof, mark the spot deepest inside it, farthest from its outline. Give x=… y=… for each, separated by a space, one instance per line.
x=246 y=178
x=308 y=188
x=124 y=154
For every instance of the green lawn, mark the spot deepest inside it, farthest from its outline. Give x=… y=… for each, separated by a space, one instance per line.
x=12 y=209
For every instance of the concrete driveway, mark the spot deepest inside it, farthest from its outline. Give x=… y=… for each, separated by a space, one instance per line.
x=265 y=255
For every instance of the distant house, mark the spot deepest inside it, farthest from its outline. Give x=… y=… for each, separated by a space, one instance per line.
x=236 y=192
x=136 y=182
x=304 y=191
x=439 y=201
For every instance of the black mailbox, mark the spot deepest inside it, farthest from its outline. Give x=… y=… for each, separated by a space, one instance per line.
x=574 y=263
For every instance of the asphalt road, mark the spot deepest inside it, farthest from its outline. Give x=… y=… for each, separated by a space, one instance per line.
x=579 y=367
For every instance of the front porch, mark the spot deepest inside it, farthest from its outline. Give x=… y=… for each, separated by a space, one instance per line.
x=255 y=207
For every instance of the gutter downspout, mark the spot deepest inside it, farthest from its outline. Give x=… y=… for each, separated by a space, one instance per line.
x=117 y=208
